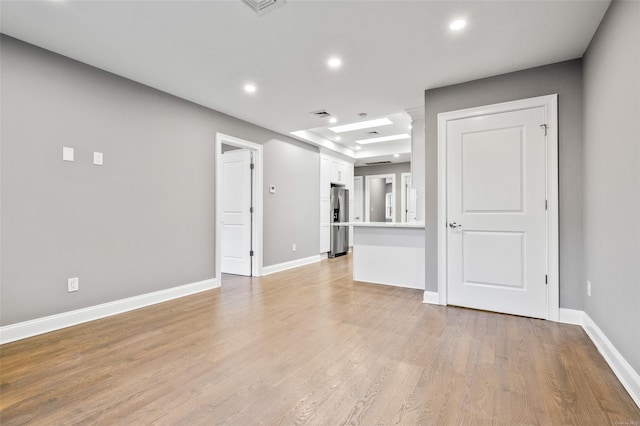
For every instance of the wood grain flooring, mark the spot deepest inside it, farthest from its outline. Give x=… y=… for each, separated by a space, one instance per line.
x=309 y=346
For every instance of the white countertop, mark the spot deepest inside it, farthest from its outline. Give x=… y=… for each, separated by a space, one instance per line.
x=382 y=224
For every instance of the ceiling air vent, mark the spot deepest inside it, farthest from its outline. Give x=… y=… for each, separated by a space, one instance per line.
x=373 y=132
x=376 y=163
x=263 y=6
x=320 y=114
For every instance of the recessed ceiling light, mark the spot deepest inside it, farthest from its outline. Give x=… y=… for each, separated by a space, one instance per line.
x=334 y=62
x=457 y=25
x=410 y=127
x=396 y=155
x=337 y=138
x=358 y=147
x=250 y=88
x=361 y=125
x=384 y=139
x=333 y=120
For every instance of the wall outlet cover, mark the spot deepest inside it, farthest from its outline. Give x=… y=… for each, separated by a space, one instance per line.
x=73 y=284
x=98 y=158
x=67 y=153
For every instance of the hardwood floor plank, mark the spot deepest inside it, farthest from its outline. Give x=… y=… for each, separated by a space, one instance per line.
x=310 y=346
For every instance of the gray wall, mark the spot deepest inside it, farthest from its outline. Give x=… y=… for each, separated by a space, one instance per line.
x=612 y=178
x=377 y=200
x=383 y=169
x=145 y=220
x=563 y=78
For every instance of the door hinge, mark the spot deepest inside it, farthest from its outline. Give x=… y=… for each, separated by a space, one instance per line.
x=251 y=166
x=546 y=279
x=544 y=126
x=251 y=253
x=546 y=204
x=250 y=209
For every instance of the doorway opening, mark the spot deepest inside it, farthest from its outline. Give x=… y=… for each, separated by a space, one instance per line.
x=379 y=198
x=238 y=207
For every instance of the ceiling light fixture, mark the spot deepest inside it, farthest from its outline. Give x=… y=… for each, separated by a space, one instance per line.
x=396 y=155
x=384 y=139
x=457 y=25
x=337 y=138
x=361 y=125
x=250 y=88
x=358 y=147
x=334 y=62
x=333 y=120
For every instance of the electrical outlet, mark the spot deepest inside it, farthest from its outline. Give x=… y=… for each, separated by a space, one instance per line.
x=98 y=158
x=588 y=288
x=294 y=247
x=73 y=284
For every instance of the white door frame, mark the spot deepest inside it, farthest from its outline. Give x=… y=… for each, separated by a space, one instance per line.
x=403 y=195
x=550 y=103
x=367 y=199
x=256 y=242
x=361 y=179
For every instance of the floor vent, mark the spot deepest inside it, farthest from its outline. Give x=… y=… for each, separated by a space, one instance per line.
x=263 y=6
x=376 y=163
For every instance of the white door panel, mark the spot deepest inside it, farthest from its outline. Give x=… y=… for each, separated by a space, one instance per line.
x=236 y=213
x=496 y=190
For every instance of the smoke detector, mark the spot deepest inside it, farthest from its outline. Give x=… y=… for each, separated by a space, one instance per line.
x=260 y=7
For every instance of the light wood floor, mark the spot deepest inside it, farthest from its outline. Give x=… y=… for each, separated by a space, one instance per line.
x=310 y=346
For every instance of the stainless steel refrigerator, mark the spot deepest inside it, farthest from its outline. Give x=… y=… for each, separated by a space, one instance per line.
x=339 y=214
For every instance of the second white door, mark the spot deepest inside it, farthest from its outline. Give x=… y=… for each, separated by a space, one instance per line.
x=496 y=197
x=236 y=212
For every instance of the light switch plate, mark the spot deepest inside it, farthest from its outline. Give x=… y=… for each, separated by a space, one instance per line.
x=98 y=158
x=67 y=153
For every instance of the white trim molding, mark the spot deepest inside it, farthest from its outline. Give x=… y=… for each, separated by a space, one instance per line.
x=550 y=104
x=272 y=269
x=22 y=330
x=430 y=297
x=629 y=378
x=570 y=316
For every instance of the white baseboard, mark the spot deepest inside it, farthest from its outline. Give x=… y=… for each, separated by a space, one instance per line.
x=431 y=297
x=570 y=316
x=622 y=369
x=22 y=330
x=272 y=269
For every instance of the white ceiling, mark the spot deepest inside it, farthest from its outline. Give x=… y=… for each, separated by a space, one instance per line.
x=205 y=51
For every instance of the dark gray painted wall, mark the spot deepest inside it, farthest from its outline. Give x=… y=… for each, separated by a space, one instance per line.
x=145 y=220
x=612 y=178
x=565 y=79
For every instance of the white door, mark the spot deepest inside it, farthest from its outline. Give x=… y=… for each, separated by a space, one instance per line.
x=358 y=215
x=236 y=212
x=496 y=212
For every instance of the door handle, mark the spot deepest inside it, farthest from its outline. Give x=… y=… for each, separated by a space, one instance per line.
x=454 y=225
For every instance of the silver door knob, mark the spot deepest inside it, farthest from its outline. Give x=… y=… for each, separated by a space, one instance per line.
x=454 y=225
